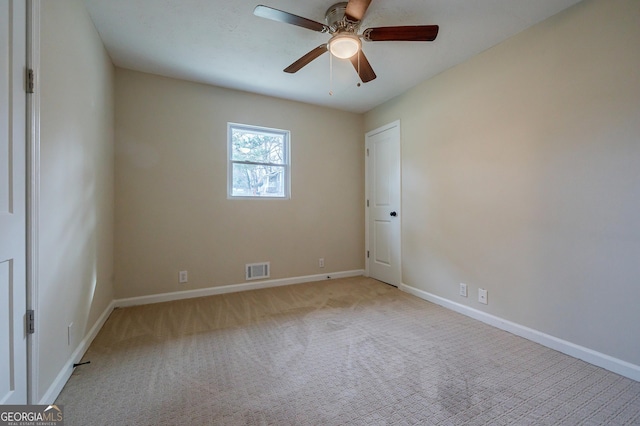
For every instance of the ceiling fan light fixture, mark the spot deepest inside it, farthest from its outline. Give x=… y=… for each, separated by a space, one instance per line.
x=344 y=46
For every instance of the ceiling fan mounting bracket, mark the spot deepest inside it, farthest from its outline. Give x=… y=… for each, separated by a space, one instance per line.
x=365 y=34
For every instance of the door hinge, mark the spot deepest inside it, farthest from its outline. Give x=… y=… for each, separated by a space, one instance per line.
x=31 y=83
x=31 y=321
x=367 y=203
x=367 y=152
x=367 y=254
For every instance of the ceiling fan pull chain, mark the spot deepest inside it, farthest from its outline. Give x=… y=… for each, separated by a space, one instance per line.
x=330 y=75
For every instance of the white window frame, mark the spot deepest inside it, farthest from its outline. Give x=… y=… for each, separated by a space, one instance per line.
x=285 y=134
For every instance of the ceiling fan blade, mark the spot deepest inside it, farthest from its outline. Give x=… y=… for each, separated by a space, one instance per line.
x=363 y=67
x=306 y=59
x=289 y=18
x=356 y=9
x=408 y=33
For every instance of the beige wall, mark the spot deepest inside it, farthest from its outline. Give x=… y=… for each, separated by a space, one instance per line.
x=76 y=184
x=172 y=211
x=521 y=174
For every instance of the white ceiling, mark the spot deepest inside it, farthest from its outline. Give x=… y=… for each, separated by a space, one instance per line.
x=222 y=43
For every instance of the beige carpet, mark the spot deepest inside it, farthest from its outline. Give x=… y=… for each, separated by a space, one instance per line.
x=352 y=351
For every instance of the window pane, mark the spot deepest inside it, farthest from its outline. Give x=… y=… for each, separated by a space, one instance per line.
x=258 y=162
x=251 y=180
x=257 y=147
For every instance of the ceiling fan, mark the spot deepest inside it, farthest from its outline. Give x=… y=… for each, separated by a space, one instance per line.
x=343 y=23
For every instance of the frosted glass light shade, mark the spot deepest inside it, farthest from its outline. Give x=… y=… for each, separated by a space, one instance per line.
x=344 y=46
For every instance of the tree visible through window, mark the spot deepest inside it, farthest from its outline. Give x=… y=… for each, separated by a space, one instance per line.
x=258 y=161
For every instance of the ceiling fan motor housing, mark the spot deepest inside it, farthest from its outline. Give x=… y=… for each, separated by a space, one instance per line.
x=338 y=22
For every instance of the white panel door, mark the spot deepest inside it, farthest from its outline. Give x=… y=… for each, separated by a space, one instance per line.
x=383 y=198
x=13 y=338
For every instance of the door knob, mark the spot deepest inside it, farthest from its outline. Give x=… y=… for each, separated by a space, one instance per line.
x=394 y=214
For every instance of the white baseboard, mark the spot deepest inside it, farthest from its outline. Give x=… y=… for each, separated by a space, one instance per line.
x=232 y=288
x=61 y=379
x=607 y=362
x=610 y=363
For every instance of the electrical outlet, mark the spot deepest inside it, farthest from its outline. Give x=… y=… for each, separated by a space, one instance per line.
x=183 y=277
x=463 y=290
x=321 y=262
x=482 y=296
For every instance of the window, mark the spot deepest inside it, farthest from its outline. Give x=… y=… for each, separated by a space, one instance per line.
x=258 y=162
